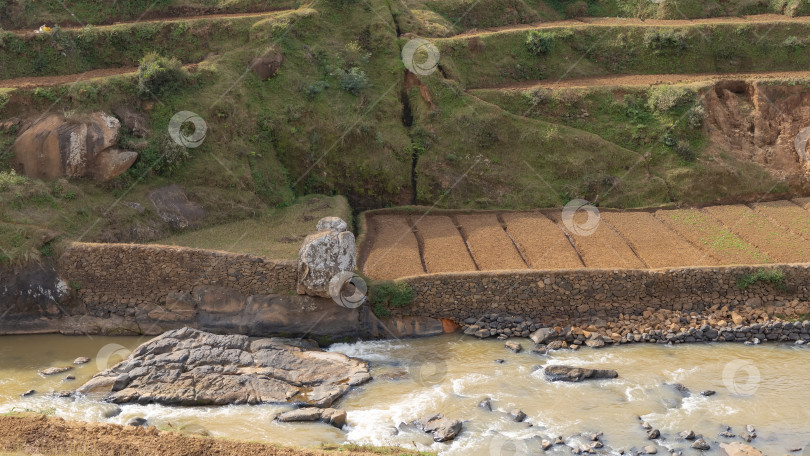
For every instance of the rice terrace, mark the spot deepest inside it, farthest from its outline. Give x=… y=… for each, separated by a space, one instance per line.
x=404 y=227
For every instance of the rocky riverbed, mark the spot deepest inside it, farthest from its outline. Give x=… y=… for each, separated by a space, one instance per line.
x=719 y=324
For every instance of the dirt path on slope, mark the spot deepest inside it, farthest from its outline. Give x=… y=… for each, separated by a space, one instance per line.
x=168 y=17
x=632 y=22
x=36 y=434
x=44 y=81
x=645 y=79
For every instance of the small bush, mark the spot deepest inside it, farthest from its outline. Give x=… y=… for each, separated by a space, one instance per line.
x=315 y=88
x=684 y=150
x=9 y=179
x=539 y=43
x=774 y=277
x=390 y=293
x=157 y=74
x=353 y=81
x=664 y=98
x=794 y=42
x=538 y=96
x=696 y=116
x=665 y=40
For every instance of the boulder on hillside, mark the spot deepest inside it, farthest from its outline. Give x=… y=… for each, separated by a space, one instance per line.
x=190 y=367
x=266 y=67
x=132 y=119
x=325 y=254
x=577 y=374
x=174 y=207
x=54 y=147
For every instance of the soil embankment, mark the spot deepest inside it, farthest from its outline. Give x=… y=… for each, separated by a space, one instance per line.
x=32 y=434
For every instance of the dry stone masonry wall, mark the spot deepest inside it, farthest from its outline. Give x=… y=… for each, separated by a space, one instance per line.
x=567 y=295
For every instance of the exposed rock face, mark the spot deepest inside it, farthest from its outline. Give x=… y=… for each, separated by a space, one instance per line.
x=174 y=207
x=53 y=147
x=132 y=119
x=335 y=417
x=443 y=429
x=191 y=367
x=739 y=449
x=577 y=374
x=266 y=67
x=325 y=254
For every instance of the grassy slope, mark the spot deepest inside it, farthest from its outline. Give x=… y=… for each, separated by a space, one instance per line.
x=270 y=142
x=276 y=233
x=503 y=58
x=22 y=14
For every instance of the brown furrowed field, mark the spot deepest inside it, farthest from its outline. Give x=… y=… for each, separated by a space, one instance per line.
x=710 y=235
x=773 y=232
x=605 y=248
x=395 y=252
x=543 y=243
x=787 y=214
x=445 y=250
x=654 y=242
x=765 y=235
x=490 y=245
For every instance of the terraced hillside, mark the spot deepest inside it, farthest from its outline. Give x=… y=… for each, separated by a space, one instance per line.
x=626 y=103
x=760 y=233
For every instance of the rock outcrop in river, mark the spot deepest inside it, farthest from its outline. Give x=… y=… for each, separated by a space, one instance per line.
x=577 y=374
x=191 y=367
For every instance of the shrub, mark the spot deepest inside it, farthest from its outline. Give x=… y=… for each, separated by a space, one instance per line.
x=315 y=88
x=577 y=9
x=538 y=96
x=794 y=42
x=353 y=81
x=696 y=116
x=391 y=293
x=539 y=43
x=665 y=39
x=684 y=150
x=9 y=179
x=774 y=277
x=157 y=74
x=664 y=98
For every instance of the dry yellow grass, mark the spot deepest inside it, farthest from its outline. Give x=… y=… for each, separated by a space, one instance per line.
x=490 y=245
x=394 y=252
x=541 y=241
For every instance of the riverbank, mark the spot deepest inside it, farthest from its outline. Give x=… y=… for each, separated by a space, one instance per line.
x=37 y=434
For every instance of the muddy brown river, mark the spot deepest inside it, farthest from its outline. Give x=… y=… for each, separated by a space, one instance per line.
x=765 y=386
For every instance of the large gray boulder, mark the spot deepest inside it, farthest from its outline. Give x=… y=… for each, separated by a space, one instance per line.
x=577 y=374
x=335 y=417
x=190 y=367
x=54 y=147
x=325 y=254
x=174 y=207
x=443 y=429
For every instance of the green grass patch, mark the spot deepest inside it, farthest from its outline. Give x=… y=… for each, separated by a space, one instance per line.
x=503 y=57
x=775 y=277
x=276 y=233
x=384 y=295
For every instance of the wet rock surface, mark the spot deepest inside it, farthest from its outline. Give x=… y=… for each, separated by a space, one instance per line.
x=577 y=374
x=191 y=367
x=443 y=429
x=335 y=417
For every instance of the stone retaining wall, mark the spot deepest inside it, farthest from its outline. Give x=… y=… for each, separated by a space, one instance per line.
x=567 y=295
x=120 y=274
